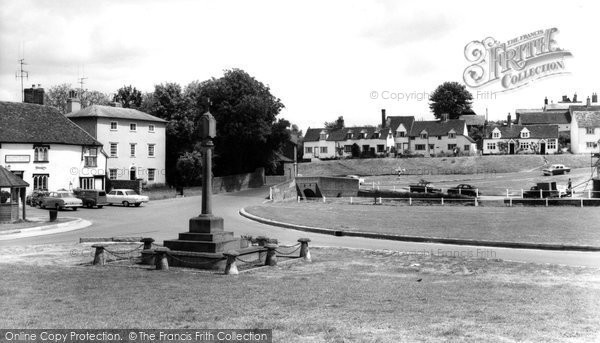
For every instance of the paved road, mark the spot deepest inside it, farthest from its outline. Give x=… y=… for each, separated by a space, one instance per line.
x=165 y=218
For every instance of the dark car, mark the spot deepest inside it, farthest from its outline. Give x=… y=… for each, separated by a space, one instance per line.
x=35 y=199
x=464 y=189
x=91 y=197
x=424 y=187
x=542 y=190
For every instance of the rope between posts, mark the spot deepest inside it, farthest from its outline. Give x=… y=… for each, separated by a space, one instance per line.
x=185 y=261
x=239 y=259
x=288 y=253
x=117 y=253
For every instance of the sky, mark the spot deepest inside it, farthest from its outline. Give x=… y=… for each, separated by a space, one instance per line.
x=323 y=59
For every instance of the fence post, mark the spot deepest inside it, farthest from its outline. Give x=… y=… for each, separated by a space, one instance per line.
x=231 y=267
x=476 y=193
x=304 y=252
x=162 y=263
x=510 y=202
x=581 y=202
x=541 y=194
x=380 y=201
x=394 y=188
x=589 y=193
x=409 y=201
x=298 y=199
x=271 y=259
x=522 y=193
x=99 y=256
x=571 y=193
x=476 y=202
x=147 y=243
x=546 y=202
x=507 y=193
x=443 y=200
x=270 y=193
x=350 y=200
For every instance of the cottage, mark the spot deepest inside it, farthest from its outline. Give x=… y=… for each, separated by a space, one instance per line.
x=400 y=127
x=521 y=139
x=441 y=137
x=585 y=131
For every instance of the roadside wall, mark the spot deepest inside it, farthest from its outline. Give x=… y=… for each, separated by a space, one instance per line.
x=284 y=191
x=136 y=185
x=321 y=186
x=232 y=183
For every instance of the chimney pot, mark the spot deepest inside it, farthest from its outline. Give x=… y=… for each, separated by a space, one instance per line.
x=382 y=118
x=546 y=101
x=594 y=97
x=587 y=103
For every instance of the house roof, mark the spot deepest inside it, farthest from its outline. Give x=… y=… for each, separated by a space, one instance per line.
x=473 y=120
x=535 y=131
x=438 y=128
x=313 y=135
x=31 y=123
x=8 y=179
x=560 y=106
x=587 y=118
x=395 y=121
x=527 y=110
x=114 y=112
x=558 y=117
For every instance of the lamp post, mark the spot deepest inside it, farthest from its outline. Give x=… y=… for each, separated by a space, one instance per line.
x=209 y=131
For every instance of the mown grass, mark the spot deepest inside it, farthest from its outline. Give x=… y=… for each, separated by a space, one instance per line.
x=343 y=296
x=561 y=225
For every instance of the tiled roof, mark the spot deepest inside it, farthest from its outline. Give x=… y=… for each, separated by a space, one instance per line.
x=473 y=120
x=8 y=179
x=395 y=121
x=587 y=118
x=535 y=131
x=558 y=117
x=113 y=112
x=437 y=128
x=313 y=135
x=560 y=106
x=528 y=110
x=31 y=123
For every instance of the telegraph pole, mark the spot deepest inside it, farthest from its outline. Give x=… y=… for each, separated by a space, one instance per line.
x=22 y=74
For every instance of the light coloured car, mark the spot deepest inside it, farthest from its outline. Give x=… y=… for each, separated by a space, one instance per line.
x=60 y=200
x=125 y=197
x=360 y=179
x=556 y=169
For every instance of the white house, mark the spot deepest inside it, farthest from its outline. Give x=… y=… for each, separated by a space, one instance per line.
x=585 y=131
x=441 y=137
x=521 y=139
x=323 y=143
x=400 y=127
x=135 y=141
x=40 y=145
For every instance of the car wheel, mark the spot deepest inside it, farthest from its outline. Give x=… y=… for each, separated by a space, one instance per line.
x=74 y=208
x=138 y=204
x=89 y=205
x=126 y=203
x=100 y=206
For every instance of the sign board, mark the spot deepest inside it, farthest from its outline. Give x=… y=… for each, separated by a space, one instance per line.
x=17 y=158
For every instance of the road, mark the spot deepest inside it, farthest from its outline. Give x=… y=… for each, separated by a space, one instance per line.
x=164 y=219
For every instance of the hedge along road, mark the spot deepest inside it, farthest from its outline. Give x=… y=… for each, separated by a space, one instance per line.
x=164 y=219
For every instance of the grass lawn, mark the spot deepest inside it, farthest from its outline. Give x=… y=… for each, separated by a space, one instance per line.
x=556 y=225
x=343 y=296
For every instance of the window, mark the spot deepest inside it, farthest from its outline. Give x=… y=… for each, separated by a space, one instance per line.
x=590 y=144
x=496 y=134
x=451 y=135
x=113 y=125
x=431 y=146
x=419 y=146
x=552 y=144
x=439 y=138
x=348 y=148
x=112 y=174
x=132 y=127
x=451 y=146
x=323 y=136
x=401 y=134
x=525 y=145
x=491 y=146
x=151 y=150
x=114 y=152
x=40 y=182
x=151 y=128
x=412 y=138
x=151 y=173
x=424 y=136
x=323 y=150
x=380 y=148
x=466 y=147
x=349 y=135
x=308 y=150
x=40 y=154
x=86 y=182
x=91 y=160
x=131 y=149
x=590 y=130
x=525 y=134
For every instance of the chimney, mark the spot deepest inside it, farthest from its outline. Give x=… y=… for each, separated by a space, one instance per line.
x=565 y=99
x=587 y=103
x=594 y=98
x=546 y=101
x=73 y=103
x=34 y=95
x=508 y=120
x=383 y=118
x=575 y=97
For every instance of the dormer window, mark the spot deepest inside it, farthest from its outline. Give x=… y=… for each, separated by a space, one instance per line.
x=424 y=135
x=349 y=135
x=525 y=133
x=363 y=134
x=496 y=133
x=401 y=133
x=323 y=135
x=451 y=135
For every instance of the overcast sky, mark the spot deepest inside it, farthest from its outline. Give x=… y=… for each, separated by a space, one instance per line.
x=323 y=59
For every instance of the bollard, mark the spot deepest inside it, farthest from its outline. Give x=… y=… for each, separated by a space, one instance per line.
x=231 y=267
x=99 y=256
x=262 y=241
x=53 y=215
x=442 y=201
x=162 y=263
x=147 y=242
x=271 y=259
x=304 y=252
x=409 y=201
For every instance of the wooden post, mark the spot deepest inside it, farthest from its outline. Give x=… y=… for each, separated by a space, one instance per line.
x=546 y=202
x=476 y=202
x=581 y=202
x=507 y=193
x=271 y=259
x=147 y=243
x=162 y=263
x=442 y=201
x=231 y=267
x=304 y=252
x=100 y=255
x=510 y=200
x=350 y=200
x=522 y=193
x=410 y=201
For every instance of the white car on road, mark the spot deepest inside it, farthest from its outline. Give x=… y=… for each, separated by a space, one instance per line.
x=125 y=197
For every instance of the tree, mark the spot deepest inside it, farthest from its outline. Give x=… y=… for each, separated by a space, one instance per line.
x=450 y=98
x=129 y=97
x=57 y=96
x=189 y=168
x=89 y=98
x=335 y=125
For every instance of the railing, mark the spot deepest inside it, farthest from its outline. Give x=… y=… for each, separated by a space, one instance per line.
x=541 y=193
x=410 y=201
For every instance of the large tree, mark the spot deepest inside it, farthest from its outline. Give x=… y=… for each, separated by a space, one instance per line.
x=335 y=125
x=451 y=98
x=57 y=96
x=129 y=97
x=89 y=98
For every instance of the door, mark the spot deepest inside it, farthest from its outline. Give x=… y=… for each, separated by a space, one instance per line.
x=542 y=148
x=132 y=173
x=511 y=148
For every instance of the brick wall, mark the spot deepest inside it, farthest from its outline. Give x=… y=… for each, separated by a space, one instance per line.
x=284 y=191
x=239 y=182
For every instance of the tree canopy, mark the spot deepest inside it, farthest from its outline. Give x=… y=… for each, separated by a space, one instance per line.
x=129 y=97
x=450 y=98
x=335 y=125
x=57 y=96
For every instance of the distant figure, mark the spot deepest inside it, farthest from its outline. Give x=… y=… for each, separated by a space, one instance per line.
x=545 y=161
x=569 y=185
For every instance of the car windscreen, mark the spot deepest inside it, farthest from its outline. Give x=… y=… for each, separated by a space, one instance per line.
x=66 y=195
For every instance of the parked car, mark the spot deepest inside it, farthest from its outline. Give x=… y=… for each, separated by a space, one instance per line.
x=35 y=199
x=125 y=197
x=542 y=190
x=360 y=179
x=60 y=200
x=92 y=197
x=556 y=169
x=464 y=189
x=424 y=187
